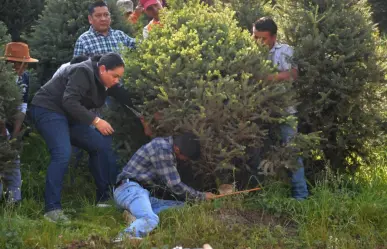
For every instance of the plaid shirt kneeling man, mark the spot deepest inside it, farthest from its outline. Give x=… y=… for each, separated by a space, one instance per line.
x=155 y=164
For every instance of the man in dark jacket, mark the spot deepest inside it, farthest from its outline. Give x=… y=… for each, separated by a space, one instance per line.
x=61 y=113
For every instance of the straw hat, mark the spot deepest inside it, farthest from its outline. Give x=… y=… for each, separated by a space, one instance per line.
x=18 y=51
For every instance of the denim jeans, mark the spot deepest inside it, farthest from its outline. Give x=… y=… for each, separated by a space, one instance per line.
x=299 y=187
x=12 y=182
x=131 y=196
x=59 y=135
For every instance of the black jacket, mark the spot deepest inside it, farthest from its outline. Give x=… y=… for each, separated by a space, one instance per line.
x=76 y=90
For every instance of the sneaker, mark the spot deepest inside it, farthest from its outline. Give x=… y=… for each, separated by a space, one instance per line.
x=57 y=216
x=104 y=204
x=126 y=236
x=128 y=217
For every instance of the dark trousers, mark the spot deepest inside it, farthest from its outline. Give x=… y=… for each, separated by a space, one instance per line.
x=59 y=135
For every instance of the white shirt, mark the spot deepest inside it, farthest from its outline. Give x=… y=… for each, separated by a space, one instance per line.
x=281 y=55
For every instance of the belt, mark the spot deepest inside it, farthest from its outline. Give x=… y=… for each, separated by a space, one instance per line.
x=120 y=182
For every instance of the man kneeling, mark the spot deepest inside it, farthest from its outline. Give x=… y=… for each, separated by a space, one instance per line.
x=154 y=164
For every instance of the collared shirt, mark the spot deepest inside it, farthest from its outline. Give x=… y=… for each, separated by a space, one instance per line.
x=148 y=28
x=281 y=55
x=155 y=163
x=93 y=43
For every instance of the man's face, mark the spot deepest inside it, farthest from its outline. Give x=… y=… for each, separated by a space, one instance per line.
x=179 y=155
x=264 y=37
x=153 y=10
x=111 y=77
x=19 y=67
x=100 y=19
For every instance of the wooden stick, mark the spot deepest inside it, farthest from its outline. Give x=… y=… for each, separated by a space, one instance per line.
x=237 y=192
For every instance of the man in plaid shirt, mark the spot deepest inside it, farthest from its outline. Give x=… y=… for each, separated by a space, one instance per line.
x=100 y=38
x=155 y=164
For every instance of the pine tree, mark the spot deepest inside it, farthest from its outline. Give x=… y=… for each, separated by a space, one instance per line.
x=56 y=32
x=10 y=98
x=20 y=15
x=341 y=65
x=203 y=74
x=379 y=8
x=247 y=12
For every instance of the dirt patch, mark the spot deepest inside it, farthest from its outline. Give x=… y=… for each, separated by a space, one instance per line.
x=92 y=242
x=251 y=218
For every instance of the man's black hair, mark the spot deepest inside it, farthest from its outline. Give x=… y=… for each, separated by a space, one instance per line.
x=96 y=4
x=78 y=59
x=111 y=61
x=266 y=24
x=189 y=145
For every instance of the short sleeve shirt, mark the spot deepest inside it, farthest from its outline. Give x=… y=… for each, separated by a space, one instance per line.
x=281 y=55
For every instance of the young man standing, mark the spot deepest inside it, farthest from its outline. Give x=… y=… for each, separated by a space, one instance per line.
x=265 y=31
x=154 y=164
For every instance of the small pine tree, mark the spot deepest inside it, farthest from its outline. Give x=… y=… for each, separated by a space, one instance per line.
x=56 y=32
x=341 y=74
x=10 y=98
x=204 y=74
x=20 y=15
x=247 y=12
x=379 y=8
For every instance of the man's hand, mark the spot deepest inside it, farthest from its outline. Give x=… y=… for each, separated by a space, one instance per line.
x=226 y=189
x=17 y=124
x=209 y=195
x=147 y=128
x=104 y=127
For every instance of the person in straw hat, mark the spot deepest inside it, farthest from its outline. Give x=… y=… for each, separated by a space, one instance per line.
x=18 y=54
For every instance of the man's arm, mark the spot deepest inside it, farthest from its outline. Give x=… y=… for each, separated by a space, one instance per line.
x=292 y=74
x=165 y=164
x=79 y=48
x=129 y=41
x=77 y=87
x=123 y=96
x=288 y=70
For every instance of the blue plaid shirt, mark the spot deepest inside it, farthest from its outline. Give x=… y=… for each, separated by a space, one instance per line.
x=156 y=162
x=93 y=43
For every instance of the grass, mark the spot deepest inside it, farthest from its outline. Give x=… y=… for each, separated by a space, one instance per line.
x=342 y=212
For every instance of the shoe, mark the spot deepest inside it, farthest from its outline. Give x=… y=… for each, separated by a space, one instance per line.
x=57 y=216
x=128 y=217
x=126 y=236
x=104 y=204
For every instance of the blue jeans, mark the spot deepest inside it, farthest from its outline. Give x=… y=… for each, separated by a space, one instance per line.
x=59 y=135
x=12 y=182
x=131 y=196
x=299 y=187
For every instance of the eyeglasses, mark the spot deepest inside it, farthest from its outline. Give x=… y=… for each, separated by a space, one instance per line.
x=100 y=15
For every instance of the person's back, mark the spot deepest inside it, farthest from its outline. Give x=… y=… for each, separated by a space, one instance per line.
x=50 y=95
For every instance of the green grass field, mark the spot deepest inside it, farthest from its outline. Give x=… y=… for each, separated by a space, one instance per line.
x=342 y=212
